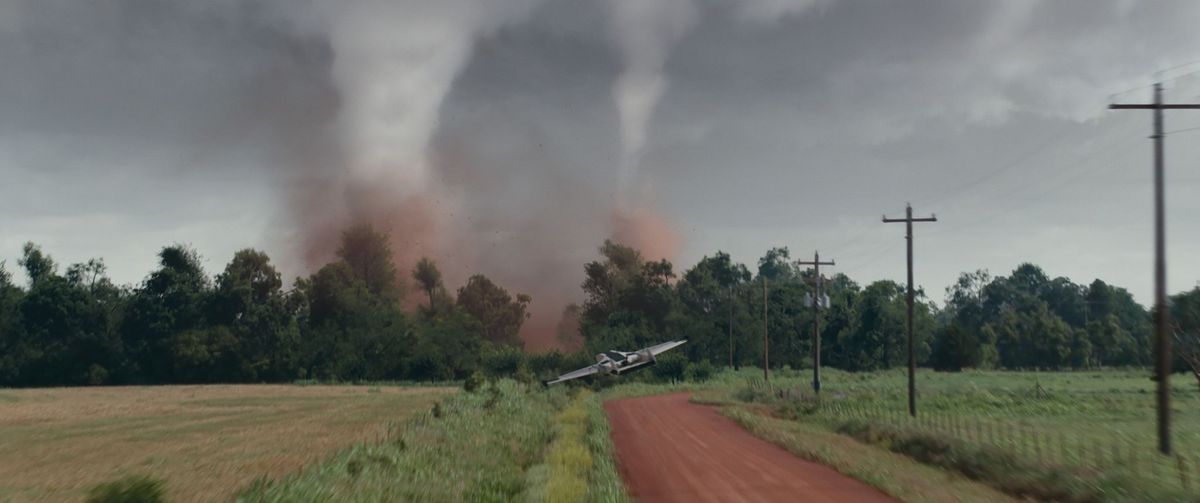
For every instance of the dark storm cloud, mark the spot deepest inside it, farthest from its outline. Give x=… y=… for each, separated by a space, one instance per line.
x=143 y=119
x=778 y=123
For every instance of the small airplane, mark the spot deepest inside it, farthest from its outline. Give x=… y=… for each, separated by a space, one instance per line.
x=619 y=362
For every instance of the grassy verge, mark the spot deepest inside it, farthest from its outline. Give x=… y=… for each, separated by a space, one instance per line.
x=578 y=464
x=894 y=474
x=1011 y=473
x=1043 y=436
x=471 y=447
x=605 y=485
x=503 y=442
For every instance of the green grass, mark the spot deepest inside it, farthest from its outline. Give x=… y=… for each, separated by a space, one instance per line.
x=203 y=442
x=605 y=484
x=507 y=442
x=504 y=442
x=569 y=459
x=131 y=489
x=894 y=474
x=470 y=447
x=1095 y=430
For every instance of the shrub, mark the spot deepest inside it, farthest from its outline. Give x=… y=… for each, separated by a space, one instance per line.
x=97 y=375
x=503 y=361
x=131 y=489
x=670 y=367
x=473 y=382
x=546 y=364
x=699 y=372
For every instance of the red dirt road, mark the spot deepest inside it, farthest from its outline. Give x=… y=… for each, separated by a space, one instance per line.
x=671 y=450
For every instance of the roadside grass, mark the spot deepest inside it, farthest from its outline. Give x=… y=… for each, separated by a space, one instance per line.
x=470 y=447
x=203 y=442
x=568 y=458
x=1010 y=473
x=505 y=441
x=894 y=474
x=1070 y=436
x=605 y=485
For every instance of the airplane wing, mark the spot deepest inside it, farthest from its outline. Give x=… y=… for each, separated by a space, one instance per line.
x=574 y=374
x=658 y=349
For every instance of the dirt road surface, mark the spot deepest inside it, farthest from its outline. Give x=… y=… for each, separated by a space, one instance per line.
x=671 y=450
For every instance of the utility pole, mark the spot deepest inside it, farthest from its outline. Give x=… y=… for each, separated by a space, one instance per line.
x=730 y=327
x=766 y=344
x=912 y=355
x=1162 y=342
x=816 y=305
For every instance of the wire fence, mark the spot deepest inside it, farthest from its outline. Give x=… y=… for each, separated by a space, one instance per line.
x=1087 y=448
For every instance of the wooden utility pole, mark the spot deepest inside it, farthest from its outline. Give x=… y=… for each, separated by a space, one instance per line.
x=731 y=327
x=912 y=355
x=1162 y=342
x=766 y=343
x=816 y=305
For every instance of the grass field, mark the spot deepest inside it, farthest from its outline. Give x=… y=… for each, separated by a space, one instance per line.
x=1094 y=430
x=503 y=442
x=206 y=442
x=1089 y=434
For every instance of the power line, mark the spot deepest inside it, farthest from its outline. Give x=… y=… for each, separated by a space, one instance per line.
x=952 y=192
x=1183 y=130
x=1037 y=186
x=1162 y=74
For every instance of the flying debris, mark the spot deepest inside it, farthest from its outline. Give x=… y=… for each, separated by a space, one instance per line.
x=619 y=362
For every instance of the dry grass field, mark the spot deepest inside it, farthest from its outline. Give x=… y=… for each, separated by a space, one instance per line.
x=206 y=442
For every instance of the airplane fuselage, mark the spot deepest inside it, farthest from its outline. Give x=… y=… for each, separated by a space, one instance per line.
x=619 y=362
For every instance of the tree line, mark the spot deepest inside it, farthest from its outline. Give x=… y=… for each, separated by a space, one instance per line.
x=347 y=322
x=1025 y=320
x=344 y=322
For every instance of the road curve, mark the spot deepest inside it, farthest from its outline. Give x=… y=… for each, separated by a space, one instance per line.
x=669 y=449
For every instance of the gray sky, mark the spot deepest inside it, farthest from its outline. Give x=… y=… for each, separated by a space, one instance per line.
x=129 y=125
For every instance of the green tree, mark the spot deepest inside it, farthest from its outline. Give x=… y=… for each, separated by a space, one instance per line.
x=429 y=279
x=1185 y=315
x=171 y=301
x=954 y=350
x=248 y=302
x=1081 y=350
x=369 y=257
x=1110 y=343
x=68 y=325
x=37 y=265
x=12 y=336
x=876 y=338
x=629 y=302
x=607 y=280
x=776 y=265
x=500 y=315
x=712 y=294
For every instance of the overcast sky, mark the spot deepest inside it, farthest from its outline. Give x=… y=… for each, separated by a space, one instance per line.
x=129 y=125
